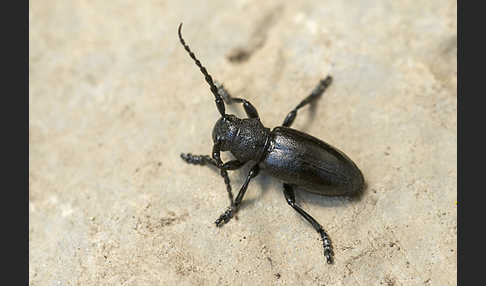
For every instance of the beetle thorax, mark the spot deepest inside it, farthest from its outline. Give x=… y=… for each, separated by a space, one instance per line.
x=244 y=138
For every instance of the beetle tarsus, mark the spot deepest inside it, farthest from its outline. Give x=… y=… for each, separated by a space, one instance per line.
x=328 y=253
x=198 y=159
x=225 y=217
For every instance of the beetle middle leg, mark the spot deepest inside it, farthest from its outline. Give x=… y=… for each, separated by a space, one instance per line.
x=315 y=94
x=250 y=110
x=290 y=197
x=228 y=214
x=207 y=160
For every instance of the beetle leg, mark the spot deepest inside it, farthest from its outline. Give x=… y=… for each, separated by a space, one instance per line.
x=231 y=165
x=315 y=94
x=217 y=159
x=290 y=197
x=250 y=110
x=198 y=159
x=228 y=214
x=207 y=160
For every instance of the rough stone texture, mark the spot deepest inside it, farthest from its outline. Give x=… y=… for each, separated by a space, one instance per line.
x=114 y=100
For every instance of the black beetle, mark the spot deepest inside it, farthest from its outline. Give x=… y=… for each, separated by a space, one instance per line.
x=296 y=158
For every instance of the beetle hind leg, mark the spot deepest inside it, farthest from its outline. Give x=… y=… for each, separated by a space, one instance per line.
x=290 y=197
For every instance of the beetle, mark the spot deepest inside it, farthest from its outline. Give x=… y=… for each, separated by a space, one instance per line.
x=296 y=158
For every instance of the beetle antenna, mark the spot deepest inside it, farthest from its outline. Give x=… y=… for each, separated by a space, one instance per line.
x=209 y=79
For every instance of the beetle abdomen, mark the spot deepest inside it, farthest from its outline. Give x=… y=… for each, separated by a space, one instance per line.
x=305 y=161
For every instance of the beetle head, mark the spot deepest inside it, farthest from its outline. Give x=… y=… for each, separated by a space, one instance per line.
x=225 y=130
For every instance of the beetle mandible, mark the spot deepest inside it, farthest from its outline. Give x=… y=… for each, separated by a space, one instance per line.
x=296 y=158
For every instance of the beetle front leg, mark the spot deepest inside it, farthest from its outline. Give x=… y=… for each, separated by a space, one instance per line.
x=198 y=159
x=315 y=94
x=250 y=110
x=232 y=209
x=290 y=197
x=207 y=160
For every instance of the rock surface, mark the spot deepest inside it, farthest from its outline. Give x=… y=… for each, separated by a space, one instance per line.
x=114 y=99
